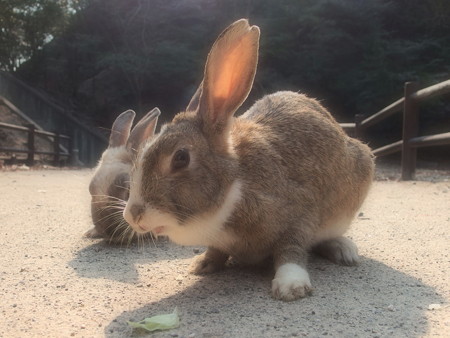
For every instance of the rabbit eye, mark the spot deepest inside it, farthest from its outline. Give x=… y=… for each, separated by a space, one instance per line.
x=181 y=159
x=122 y=180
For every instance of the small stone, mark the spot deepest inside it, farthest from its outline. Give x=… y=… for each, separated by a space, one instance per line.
x=391 y=308
x=434 y=306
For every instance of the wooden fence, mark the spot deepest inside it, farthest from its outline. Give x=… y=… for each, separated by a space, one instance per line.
x=411 y=140
x=43 y=111
x=59 y=151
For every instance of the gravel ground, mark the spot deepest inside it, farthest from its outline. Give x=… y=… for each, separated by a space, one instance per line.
x=55 y=283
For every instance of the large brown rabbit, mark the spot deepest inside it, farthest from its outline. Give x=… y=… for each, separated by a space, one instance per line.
x=109 y=186
x=275 y=182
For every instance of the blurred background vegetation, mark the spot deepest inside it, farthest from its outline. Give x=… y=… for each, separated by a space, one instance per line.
x=100 y=57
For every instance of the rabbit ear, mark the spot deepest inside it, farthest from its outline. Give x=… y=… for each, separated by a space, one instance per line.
x=193 y=104
x=121 y=129
x=229 y=73
x=143 y=130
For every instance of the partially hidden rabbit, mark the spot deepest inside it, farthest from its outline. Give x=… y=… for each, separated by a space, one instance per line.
x=279 y=181
x=109 y=186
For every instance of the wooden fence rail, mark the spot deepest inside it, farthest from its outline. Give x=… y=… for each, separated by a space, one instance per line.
x=51 y=115
x=409 y=104
x=31 y=130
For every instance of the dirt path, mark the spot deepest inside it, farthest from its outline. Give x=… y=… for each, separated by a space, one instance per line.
x=54 y=283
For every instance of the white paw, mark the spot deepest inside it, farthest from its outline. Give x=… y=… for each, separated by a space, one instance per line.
x=291 y=282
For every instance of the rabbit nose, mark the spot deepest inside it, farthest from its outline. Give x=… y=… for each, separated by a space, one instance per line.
x=136 y=211
x=132 y=214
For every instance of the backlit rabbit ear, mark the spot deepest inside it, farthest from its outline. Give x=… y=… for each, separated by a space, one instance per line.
x=121 y=129
x=143 y=130
x=229 y=73
x=195 y=101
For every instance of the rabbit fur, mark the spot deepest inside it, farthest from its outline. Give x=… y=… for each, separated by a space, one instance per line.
x=109 y=186
x=274 y=183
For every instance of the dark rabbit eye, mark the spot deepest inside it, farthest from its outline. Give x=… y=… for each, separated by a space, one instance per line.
x=122 y=180
x=181 y=159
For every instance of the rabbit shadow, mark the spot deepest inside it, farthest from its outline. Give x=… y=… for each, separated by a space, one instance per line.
x=117 y=262
x=370 y=300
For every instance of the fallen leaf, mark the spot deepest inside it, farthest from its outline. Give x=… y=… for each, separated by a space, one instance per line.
x=158 y=322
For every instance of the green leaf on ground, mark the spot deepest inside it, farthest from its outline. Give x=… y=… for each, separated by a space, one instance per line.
x=158 y=322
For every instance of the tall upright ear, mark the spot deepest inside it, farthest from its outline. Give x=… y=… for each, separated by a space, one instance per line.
x=143 y=130
x=195 y=101
x=229 y=74
x=121 y=129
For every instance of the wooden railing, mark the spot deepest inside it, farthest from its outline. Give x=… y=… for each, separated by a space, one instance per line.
x=43 y=111
x=410 y=141
x=58 y=152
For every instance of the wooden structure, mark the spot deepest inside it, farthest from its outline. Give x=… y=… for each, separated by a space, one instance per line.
x=409 y=105
x=43 y=111
x=58 y=150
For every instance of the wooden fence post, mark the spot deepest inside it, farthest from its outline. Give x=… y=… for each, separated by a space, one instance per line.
x=70 y=149
x=56 y=141
x=30 y=145
x=410 y=130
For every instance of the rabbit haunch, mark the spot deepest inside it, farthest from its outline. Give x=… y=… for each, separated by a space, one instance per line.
x=114 y=160
x=278 y=181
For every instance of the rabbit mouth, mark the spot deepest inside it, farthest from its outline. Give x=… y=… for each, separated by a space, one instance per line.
x=158 y=230
x=155 y=231
x=143 y=229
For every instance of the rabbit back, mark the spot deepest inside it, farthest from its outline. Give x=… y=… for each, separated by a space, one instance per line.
x=290 y=145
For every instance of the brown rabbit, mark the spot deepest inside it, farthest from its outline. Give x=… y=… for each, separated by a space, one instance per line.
x=275 y=182
x=109 y=186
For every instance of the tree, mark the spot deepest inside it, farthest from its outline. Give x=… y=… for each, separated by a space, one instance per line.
x=26 y=25
x=353 y=55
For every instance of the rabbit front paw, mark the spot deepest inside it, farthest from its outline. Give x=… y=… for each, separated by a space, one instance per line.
x=93 y=233
x=340 y=250
x=208 y=262
x=291 y=282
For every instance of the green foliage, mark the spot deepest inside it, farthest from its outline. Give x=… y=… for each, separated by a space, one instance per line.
x=355 y=55
x=26 y=25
